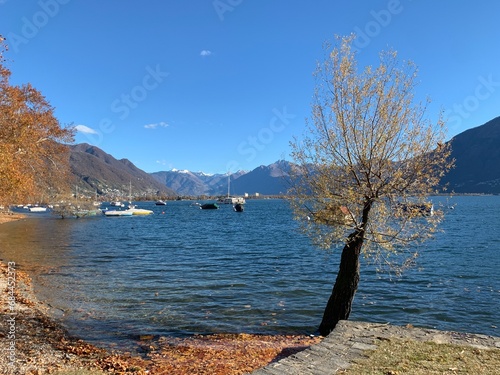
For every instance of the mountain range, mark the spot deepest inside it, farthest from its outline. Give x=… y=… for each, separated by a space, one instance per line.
x=98 y=172
x=476 y=154
x=477 y=160
x=266 y=180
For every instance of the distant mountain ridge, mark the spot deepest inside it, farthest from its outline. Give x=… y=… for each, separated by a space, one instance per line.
x=97 y=171
x=477 y=169
x=476 y=151
x=477 y=155
x=264 y=180
x=198 y=183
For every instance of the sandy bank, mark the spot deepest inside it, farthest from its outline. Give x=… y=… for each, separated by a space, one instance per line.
x=6 y=216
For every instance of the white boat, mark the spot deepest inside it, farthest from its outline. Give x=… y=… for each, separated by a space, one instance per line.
x=131 y=209
x=37 y=209
x=139 y=211
x=128 y=212
x=229 y=199
x=118 y=212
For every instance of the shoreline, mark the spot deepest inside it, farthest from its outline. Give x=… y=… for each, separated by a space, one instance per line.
x=32 y=342
x=8 y=216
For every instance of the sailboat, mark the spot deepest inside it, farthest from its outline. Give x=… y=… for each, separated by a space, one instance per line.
x=132 y=208
x=228 y=199
x=84 y=211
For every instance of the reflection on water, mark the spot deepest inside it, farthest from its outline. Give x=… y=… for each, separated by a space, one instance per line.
x=184 y=270
x=42 y=246
x=37 y=244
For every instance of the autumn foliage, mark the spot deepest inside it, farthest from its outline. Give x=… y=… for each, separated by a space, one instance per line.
x=34 y=159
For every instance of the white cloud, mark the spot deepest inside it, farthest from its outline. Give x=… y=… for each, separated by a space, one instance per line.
x=160 y=124
x=205 y=53
x=85 y=129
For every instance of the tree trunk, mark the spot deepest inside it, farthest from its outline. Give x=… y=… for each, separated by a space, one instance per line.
x=340 y=302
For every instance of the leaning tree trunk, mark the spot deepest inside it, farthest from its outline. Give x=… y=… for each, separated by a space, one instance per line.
x=340 y=302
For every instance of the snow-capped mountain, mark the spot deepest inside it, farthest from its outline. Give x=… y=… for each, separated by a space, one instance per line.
x=265 y=180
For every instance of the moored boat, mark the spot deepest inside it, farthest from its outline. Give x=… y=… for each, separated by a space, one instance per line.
x=118 y=213
x=140 y=211
x=209 y=206
x=37 y=209
x=231 y=200
x=86 y=213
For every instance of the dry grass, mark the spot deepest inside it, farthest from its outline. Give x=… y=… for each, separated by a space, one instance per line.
x=396 y=356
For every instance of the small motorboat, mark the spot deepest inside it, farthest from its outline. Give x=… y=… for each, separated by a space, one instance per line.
x=138 y=211
x=161 y=203
x=118 y=212
x=37 y=209
x=209 y=206
x=238 y=207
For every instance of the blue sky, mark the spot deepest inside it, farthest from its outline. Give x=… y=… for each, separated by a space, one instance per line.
x=223 y=85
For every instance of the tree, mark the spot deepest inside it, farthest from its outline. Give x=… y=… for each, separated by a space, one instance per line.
x=366 y=167
x=34 y=157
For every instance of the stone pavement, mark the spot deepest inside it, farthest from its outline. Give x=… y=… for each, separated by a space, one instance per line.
x=350 y=340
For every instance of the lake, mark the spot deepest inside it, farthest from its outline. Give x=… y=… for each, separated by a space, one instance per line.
x=185 y=271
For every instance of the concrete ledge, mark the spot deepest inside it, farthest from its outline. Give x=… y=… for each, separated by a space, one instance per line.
x=350 y=340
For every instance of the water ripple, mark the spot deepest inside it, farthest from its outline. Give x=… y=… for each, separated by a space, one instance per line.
x=194 y=271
